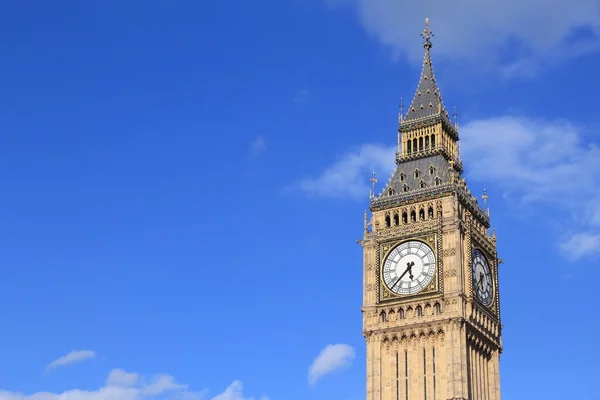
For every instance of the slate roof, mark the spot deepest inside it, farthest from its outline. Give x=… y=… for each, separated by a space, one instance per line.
x=428 y=99
x=414 y=174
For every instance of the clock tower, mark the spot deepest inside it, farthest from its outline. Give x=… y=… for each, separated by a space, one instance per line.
x=431 y=307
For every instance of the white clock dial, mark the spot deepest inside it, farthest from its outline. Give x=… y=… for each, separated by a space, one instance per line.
x=482 y=278
x=409 y=267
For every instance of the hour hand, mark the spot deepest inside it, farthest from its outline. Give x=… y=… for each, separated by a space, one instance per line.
x=409 y=269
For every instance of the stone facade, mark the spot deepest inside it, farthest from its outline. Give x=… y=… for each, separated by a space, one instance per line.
x=442 y=342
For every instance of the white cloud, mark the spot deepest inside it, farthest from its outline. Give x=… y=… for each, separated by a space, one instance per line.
x=580 y=245
x=349 y=175
x=122 y=385
x=258 y=146
x=72 y=358
x=234 y=392
x=121 y=378
x=535 y=30
x=541 y=162
x=331 y=358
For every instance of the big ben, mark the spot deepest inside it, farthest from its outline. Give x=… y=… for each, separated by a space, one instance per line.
x=431 y=307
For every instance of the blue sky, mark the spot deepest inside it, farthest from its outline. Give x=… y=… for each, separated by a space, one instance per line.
x=184 y=182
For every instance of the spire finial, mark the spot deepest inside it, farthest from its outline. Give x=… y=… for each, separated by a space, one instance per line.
x=427 y=35
x=401 y=109
x=484 y=196
x=373 y=182
x=455 y=115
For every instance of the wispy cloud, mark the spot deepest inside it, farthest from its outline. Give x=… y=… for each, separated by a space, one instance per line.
x=541 y=162
x=535 y=161
x=331 y=358
x=72 y=358
x=348 y=177
x=258 y=146
x=122 y=385
x=234 y=392
x=514 y=34
x=580 y=245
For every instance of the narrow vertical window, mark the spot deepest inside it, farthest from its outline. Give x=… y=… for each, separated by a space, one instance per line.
x=424 y=374
x=406 y=371
x=432 y=141
x=397 y=379
x=408 y=146
x=433 y=372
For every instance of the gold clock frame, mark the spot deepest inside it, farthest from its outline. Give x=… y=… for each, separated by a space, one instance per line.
x=435 y=287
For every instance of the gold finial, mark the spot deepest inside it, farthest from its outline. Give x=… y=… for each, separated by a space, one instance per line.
x=373 y=182
x=427 y=34
x=484 y=196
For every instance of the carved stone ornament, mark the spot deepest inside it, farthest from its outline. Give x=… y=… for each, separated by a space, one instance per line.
x=450 y=252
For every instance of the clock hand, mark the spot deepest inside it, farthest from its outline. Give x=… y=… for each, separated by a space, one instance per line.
x=480 y=281
x=407 y=270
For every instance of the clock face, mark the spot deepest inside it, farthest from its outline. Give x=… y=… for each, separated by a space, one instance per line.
x=409 y=267
x=482 y=278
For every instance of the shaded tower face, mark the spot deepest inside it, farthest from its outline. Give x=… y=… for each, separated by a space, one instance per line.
x=431 y=315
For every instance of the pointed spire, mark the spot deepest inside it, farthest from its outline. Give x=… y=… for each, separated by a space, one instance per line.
x=428 y=100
